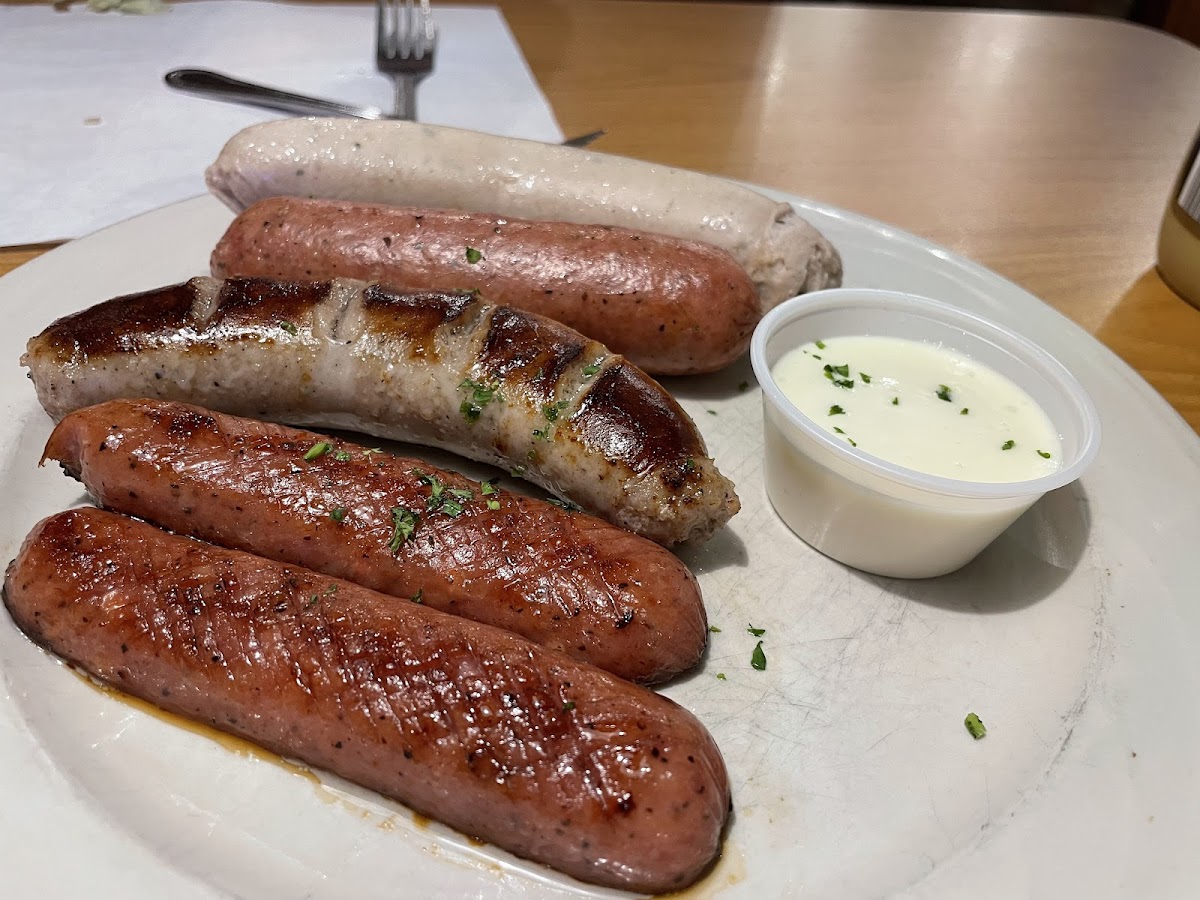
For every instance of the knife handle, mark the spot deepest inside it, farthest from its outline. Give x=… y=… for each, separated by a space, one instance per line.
x=222 y=87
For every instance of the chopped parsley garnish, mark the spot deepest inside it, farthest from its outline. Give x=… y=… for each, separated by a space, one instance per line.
x=895 y=401
x=318 y=450
x=943 y=393
x=473 y=255
x=419 y=596
x=404 y=522
x=591 y=369
x=711 y=412
x=441 y=498
x=517 y=471
x=836 y=410
x=758 y=659
x=488 y=489
x=1043 y=454
x=551 y=410
x=480 y=396
x=1008 y=445
x=743 y=385
x=689 y=465
x=328 y=592
x=837 y=430
x=833 y=373
x=820 y=345
x=814 y=356
x=369 y=453
x=338 y=513
x=964 y=411
x=721 y=676
x=565 y=504
x=436 y=488
x=714 y=629
x=568 y=706
x=341 y=456
x=541 y=434
x=757 y=632
x=853 y=442
x=975 y=726
x=289 y=327
x=866 y=379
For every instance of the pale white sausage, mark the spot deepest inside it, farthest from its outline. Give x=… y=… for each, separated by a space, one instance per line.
x=410 y=164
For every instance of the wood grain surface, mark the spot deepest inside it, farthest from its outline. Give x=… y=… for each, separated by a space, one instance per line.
x=1043 y=146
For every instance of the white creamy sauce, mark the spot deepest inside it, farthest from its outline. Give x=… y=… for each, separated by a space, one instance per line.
x=921 y=406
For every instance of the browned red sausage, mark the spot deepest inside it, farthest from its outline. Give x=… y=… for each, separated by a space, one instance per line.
x=546 y=757
x=562 y=578
x=673 y=307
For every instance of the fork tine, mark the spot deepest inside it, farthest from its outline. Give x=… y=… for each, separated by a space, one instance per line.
x=383 y=32
x=408 y=46
x=405 y=42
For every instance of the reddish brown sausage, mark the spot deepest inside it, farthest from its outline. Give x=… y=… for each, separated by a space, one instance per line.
x=549 y=758
x=564 y=579
x=673 y=307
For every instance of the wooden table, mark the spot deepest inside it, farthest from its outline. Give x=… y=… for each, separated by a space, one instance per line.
x=1042 y=146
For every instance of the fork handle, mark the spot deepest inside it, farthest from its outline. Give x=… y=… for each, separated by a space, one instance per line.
x=406 y=98
x=222 y=87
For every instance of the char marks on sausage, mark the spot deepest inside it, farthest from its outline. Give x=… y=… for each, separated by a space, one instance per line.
x=402 y=366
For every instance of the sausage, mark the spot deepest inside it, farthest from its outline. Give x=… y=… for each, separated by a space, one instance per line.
x=551 y=759
x=409 y=164
x=492 y=383
x=563 y=579
x=671 y=307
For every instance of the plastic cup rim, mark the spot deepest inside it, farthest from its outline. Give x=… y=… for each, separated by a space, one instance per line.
x=899 y=301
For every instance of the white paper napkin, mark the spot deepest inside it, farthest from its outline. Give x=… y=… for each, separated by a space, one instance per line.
x=90 y=135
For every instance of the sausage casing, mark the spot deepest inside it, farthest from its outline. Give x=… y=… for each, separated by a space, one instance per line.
x=549 y=758
x=564 y=579
x=494 y=384
x=671 y=307
x=415 y=164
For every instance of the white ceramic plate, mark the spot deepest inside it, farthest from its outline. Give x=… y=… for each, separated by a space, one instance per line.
x=1074 y=637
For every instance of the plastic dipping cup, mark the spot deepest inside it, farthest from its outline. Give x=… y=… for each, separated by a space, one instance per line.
x=875 y=515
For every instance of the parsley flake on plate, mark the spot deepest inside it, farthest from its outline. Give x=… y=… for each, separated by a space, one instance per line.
x=758 y=659
x=975 y=726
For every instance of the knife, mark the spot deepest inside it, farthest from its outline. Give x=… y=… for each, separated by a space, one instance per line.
x=222 y=87
x=216 y=86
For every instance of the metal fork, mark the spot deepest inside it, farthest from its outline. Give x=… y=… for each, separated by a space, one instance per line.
x=405 y=40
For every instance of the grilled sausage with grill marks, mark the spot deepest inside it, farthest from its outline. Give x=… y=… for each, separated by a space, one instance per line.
x=492 y=383
x=544 y=756
x=672 y=307
x=564 y=579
